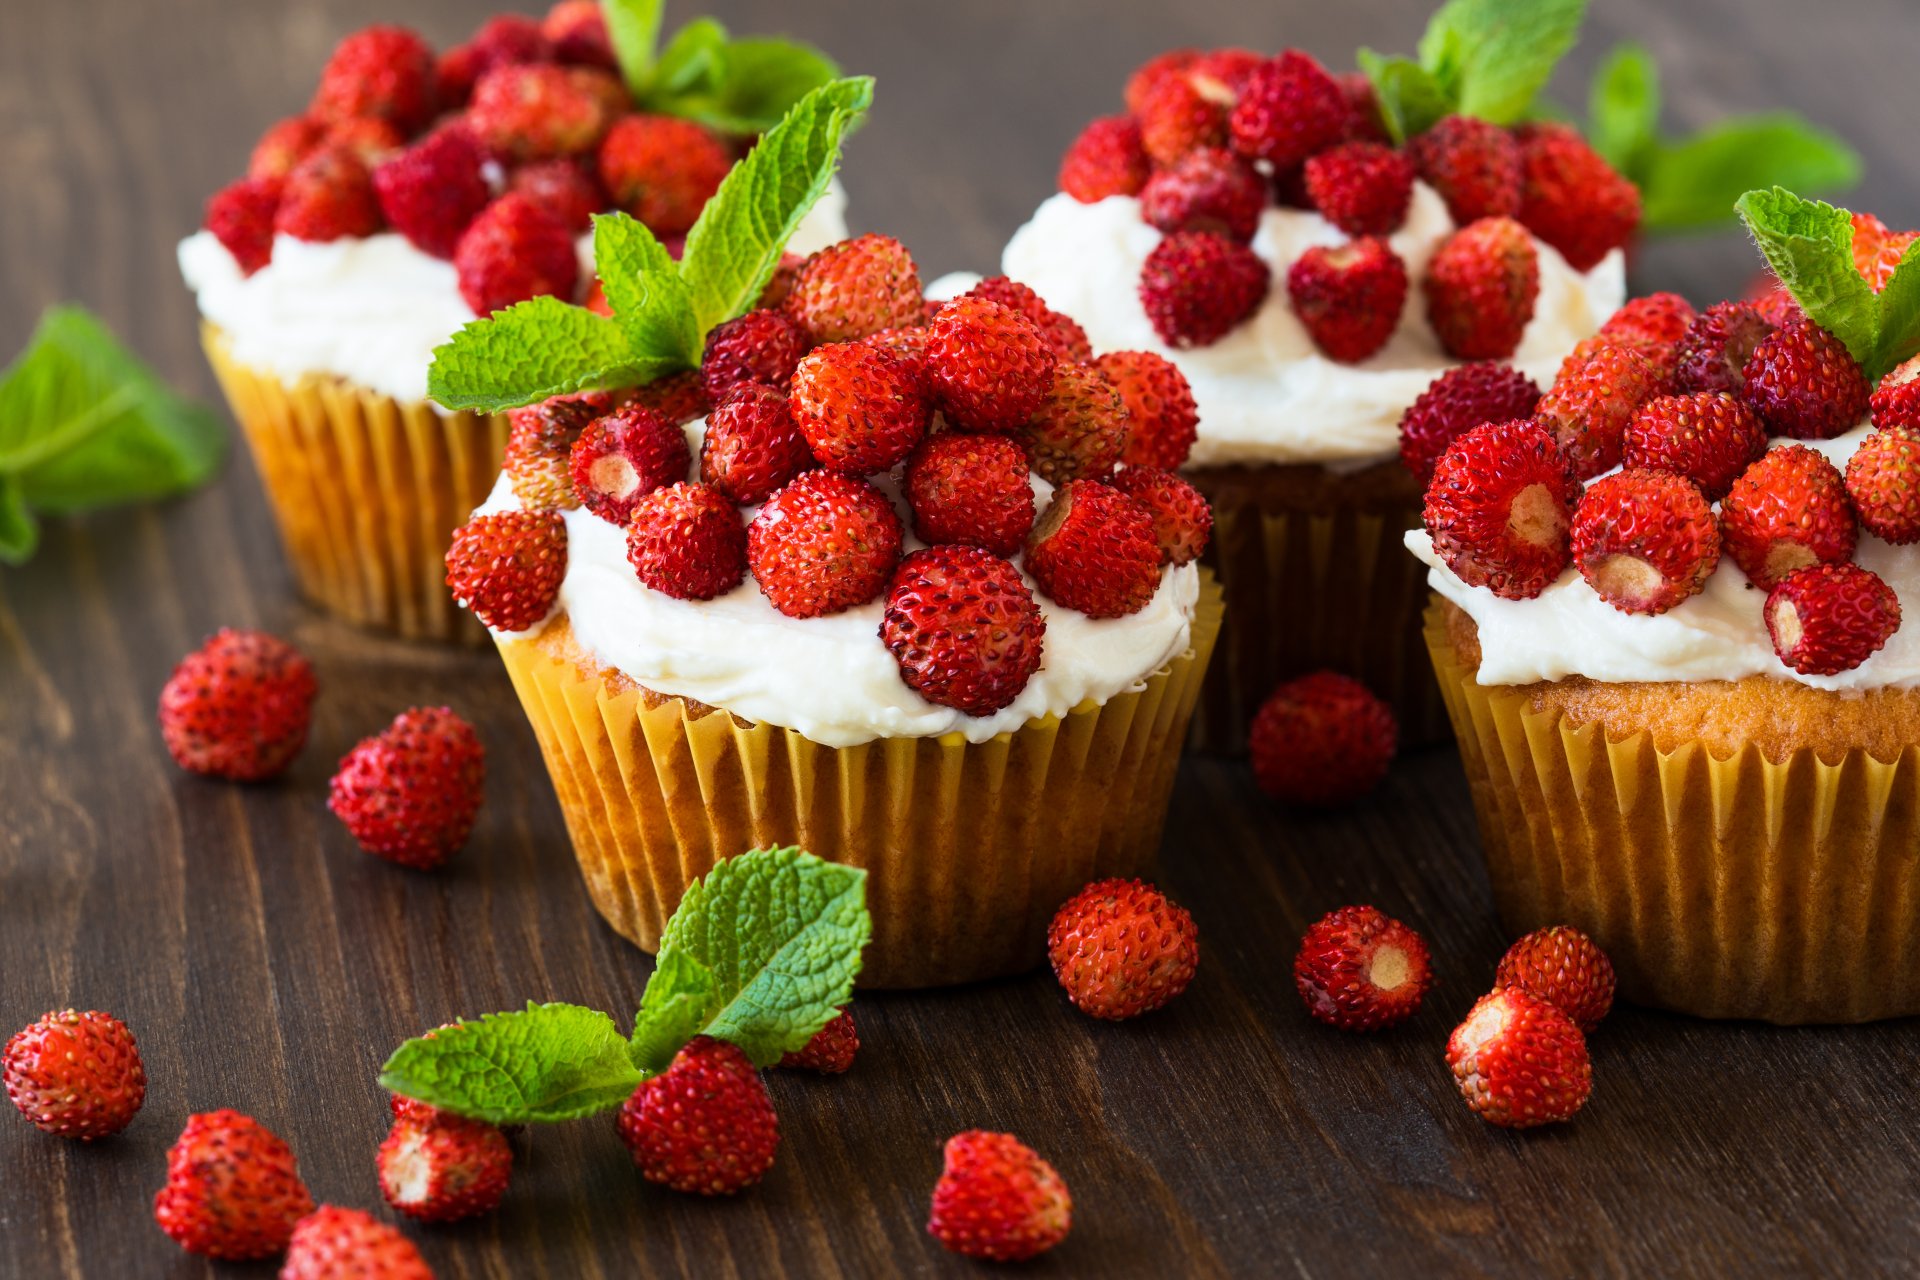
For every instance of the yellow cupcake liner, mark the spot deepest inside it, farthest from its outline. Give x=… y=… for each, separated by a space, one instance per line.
x=366 y=490
x=970 y=847
x=1728 y=888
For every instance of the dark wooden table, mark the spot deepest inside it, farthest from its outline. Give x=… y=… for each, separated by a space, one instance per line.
x=265 y=964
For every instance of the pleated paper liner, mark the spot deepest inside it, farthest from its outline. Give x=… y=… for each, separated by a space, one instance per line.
x=1316 y=577
x=971 y=847
x=366 y=490
x=1745 y=887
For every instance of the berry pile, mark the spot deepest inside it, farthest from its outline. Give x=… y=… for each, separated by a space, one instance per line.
x=1009 y=447
x=1209 y=139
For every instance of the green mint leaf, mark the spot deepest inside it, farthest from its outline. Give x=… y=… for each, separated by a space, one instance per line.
x=1492 y=57
x=1899 y=316
x=1624 y=110
x=633 y=26
x=761 y=953
x=692 y=62
x=1411 y=100
x=1692 y=184
x=759 y=82
x=19 y=531
x=732 y=250
x=651 y=301
x=84 y=424
x=536 y=349
x=550 y=1062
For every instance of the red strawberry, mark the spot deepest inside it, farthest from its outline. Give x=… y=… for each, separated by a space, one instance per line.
x=1197 y=287
x=412 y=1109
x=1474 y=165
x=241 y=217
x=1290 y=109
x=704 y=1125
x=444 y=1170
x=679 y=398
x=1785 y=512
x=971 y=489
x=577 y=31
x=988 y=367
x=1499 y=509
x=1062 y=332
x=1829 y=618
x=1107 y=159
x=1359 y=969
x=1481 y=287
x=1182 y=520
x=860 y=407
x=1713 y=353
x=332 y=1243
x=1221 y=75
x=1563 y=967
x=370 y=141
x=831 y=1050
x=1883 y=479
x=624 y=456
x=536 y=111
x=507 y=39
x=1322 y=740
x=1896 y=401
x=564 y=188
x=1349 y=296
x=1588 y=407
x=515 y=250
x=997 y=1199
x=751 y=446
x=963 y=627
x=1709 y=437
x=760 y=346
x=823 y=544
x=662 y=170
x=1362 y=188
x=1571 y=198
x=385 y=72
x=1774 y=301
x=687 y=541
x=780 y=284
x=1462 y=398
x=328 y=196
x=539 y=455
x=1656 y=320
x=1364 y=123
x=507 y=566
x=1162 y=417
x=909 y=346
x=1877 y=250
x=856 y=287
x=1079 y=430
x=1645 y=540
x=432 y=191
x=1175 y=118
x=232 y=1190
x=1094 y=549
x=1208 y=189
x=1147 y=73
x=284 y=146
x=75 y=1075
x=1519 y=1061
x=409 y=793
x=238 y=707
x=1804 y=383
x=1121 y=948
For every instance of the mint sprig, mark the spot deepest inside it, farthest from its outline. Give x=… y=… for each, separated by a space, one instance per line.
x=702 y=73
x=84 y=424
x=1485 y=58
x=662 y=310
x=762 y=953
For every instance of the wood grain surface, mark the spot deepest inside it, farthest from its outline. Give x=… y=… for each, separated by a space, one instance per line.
x=267 y=965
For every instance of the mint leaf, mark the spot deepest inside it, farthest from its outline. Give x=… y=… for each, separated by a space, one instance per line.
x=1624 y=109
x=1492 y=57
x=692 y=62
x=633 y=26
x=533 y=350
x=549 y=1062
x=651 y=301
x=761 y=953
x=758 y=82
x=1899 y=337
x=732 y=250
x=1694 y=183
x=1411 y=101
x=19 y=531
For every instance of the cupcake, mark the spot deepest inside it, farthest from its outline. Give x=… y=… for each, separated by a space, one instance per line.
x=1673 y=623
x=416 y=193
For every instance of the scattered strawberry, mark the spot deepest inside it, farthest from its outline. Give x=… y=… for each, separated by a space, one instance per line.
x=679 y=398
x=1079 y=430
x=687 y=541
x=1349 y=296
x=1803 y=383
x=988 y=367
x=1175 y=118
x=1197 y=286
x=1601 y=384
x=1474 y=165
x=75 y=1075
x=1359 y=969
x=1462 y=398
x=409 y=793
x=1107 y=159
x=1563 y=967
x=1163 y=420
x=1709 y=437
x=444 y=1170
x=1289 y=110
x=285 y=145
x=860 y=407
x=1519 y=1061
x=238 y=707
x=577 y=30
x=1883 y=479
x=625 y=455
x=1062 y=332
x=506 y=567
x=241 y=217
x=1878 y=250
x=1481 y=287
x=385 y=72
x=1207 y=189
x=963 y=628
x=1094 y=549
x=515 y=250
x=539 y=456
x=856 y=287
x=232 y=1190
x=997 y=1199
x=1571 y=198
x=1645 y=540
x=971 y=489
x=1182 y=520
x=328 y=196
x=1785 y=512
x=345 y=1244
x=751 y=446
x=823 y=544
x=1499 y=508
x=1829 y=618
x=704 y=1125
x=432 y=191
x=564 y=188
x=831 y=1050
x=1363 y=188
x=1322 y=740
x=761 y=346
x=1712 y=355
x=1121 y=948
x=536 y=111
x=662 y=170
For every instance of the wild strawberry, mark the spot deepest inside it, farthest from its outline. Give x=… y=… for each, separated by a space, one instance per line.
x=856 y=287
x=1208 y=189
x=539 y=456
x=972 y=489
x=780 y=283
x=1362 y=188
x=1896 y=401
x=1364 y=123
x=1322 y=740
x=1877 y=250
x=1519 y=1061
x=1829 y=618
x=1197 y=286
x=1094 y=549
x=1462 y=398
x=1600 y=386
x=331 y=1243
x=860 y=407
x=515 y=250
x=760 y=346
x=1883 y=479
x=751 y=446
x=539 y=111
x=371 y=142
x=1571 y=198
x=577 y=30
x=1147 y=73
x=1079 y=430
x=1175 y=118
x=1121 y=948
x=412 y=1109
x=997 y=1199
x=624 y=456
x=409 y=793
x=687 y=541
x=1804 y=383
x=1563 y=967
x=1645 y=540
x=1474 y=165
x=909 y=346
x=1062 y=332
x=1499 y=509
x=507 y=39
x=963 y=628
x=662 y=170
x=1348 y=296
x=1481 y=287
x=507 y=566
x=831 y=1050
x=284 y=146
x=432 y=191
x=1221 y=75
x=1163 y=420
x=241 y=217
x=383 y=71
x=988 y=367
x=328 y=196
x=1774 y=301
x=1182 y=520
x=564 y=188
x=1658 y=319
x=1713 y=353
x=823 y=544
x=232 y=1190
x=1290 y=109
x=1785 y=512
x=704 y=1125
x=679 y=398
x=1107 y=159
x=1709 y=437
x=75 y=1075
x=238 y=707
x=1359 y=969
x=445 y=1170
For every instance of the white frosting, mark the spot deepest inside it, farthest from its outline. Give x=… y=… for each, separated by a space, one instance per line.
x=1719 y=634
x=369 y=310
x=1265 y=393
x=831 y=679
